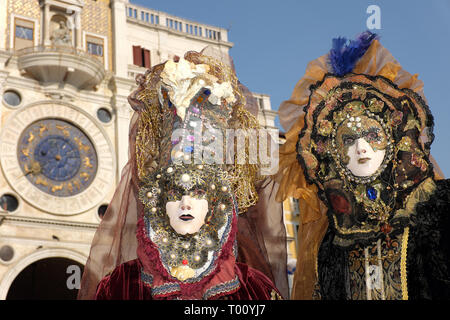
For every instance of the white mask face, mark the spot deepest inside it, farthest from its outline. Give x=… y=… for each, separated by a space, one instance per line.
x=187 y=215
x=364 y=161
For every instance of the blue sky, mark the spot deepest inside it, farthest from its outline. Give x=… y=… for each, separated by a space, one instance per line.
x=275 y=40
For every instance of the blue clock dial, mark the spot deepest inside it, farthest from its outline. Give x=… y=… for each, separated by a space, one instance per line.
x=57 y=157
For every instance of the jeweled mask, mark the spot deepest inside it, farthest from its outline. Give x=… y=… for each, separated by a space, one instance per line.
x=366 y=145
x=188 y=256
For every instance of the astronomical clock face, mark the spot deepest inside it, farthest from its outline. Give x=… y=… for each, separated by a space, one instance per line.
x=57 y=157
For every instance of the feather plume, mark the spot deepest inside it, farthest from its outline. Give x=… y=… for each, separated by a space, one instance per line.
x=344 y=53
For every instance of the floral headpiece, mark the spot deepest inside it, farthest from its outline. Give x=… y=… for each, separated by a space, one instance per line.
x=192 y=93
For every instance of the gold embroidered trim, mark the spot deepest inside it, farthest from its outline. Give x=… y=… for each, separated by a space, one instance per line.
x=275 y=296
x=403 y=271
x=420 y=194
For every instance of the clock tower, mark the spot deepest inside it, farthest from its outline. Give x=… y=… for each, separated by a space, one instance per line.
x=58 y=150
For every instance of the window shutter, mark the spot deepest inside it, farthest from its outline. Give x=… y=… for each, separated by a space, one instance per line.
x=146 y=54
x=137 y=55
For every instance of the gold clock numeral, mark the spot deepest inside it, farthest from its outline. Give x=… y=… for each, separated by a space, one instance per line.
x=87 y=162
x=77 y=184
x=31 y=137
x=81 y=145
x=42 y=129
x=26 y=152
x=56 y=188
x=70 y=187
x=85 y=176
x=41 y=181
x=63 y=129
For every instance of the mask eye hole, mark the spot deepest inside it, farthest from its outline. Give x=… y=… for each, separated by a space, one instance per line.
x=198 y=193
x=371 y=135
x=348 y=140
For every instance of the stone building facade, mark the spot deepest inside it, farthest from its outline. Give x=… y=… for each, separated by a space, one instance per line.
x=66 y=70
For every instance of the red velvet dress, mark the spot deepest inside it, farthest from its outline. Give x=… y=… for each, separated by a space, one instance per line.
x=127 y=282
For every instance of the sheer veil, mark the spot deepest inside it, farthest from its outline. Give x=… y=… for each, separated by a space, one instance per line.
x=261 y=233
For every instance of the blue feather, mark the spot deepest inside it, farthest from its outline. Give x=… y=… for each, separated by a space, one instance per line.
x=344 y=54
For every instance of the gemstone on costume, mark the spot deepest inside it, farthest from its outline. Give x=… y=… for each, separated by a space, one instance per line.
x=371 y=193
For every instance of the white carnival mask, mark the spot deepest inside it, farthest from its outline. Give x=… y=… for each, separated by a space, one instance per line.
x=364 y=161
x=187 y=215
x=362 y=142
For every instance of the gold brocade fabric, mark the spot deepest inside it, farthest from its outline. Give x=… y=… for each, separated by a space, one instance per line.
x=313 y=220
x=375 y=271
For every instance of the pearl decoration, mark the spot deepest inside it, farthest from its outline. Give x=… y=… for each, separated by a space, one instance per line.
x=178 y=154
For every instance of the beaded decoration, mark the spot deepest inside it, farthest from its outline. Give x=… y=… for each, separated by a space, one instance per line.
x=159 y=115
x=364 y=208
x=188 y=257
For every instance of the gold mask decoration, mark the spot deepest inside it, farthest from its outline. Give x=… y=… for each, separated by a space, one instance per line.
x=347 y=117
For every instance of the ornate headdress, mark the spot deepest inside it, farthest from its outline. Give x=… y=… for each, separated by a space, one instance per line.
x=189 y=104
x=358 y=89
x=197 y=94
x=182 y=106
x=343 y=109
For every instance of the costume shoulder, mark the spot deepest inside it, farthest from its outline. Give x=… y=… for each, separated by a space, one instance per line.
x=123 y=283
x=429 y=249
x=254 y=285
